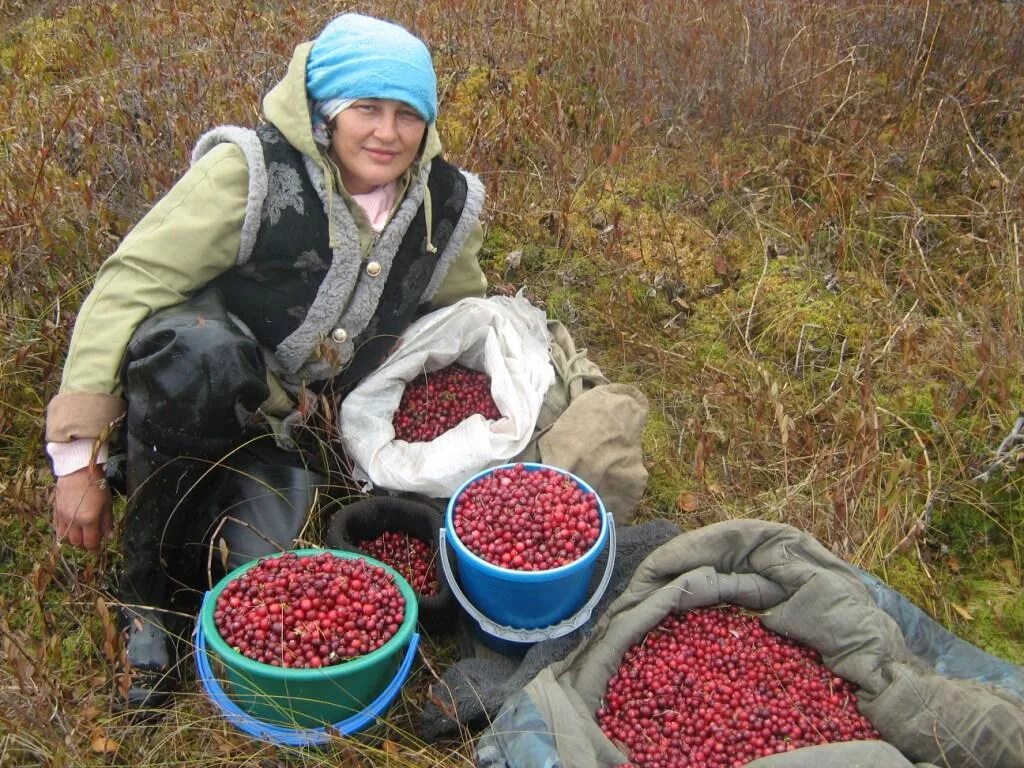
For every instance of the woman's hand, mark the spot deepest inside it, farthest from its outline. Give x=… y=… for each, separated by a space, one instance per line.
x=82 y=508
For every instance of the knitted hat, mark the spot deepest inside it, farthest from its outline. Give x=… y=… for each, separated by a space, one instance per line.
x=359 y=57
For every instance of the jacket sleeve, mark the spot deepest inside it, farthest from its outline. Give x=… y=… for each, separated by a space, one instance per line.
x=186 y=239
x=464 y=277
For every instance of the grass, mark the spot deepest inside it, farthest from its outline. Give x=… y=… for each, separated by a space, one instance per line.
x=795 y=225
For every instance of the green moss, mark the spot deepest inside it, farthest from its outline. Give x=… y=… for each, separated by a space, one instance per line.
x=981 y=576
x=995 y=608
x=904 y=574
x=78 y=647
x=709 y=332
x=983 y=531
x=988 y=613
x=48 y=49
x=562 y=305
x=914 y=403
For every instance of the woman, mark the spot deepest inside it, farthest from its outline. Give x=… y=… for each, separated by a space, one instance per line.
x=279 y=270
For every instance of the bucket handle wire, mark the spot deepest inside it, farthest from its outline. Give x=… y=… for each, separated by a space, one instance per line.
x=517 y=634
x=296 y=737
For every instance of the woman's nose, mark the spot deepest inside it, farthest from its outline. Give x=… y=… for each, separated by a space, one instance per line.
x=387 y=125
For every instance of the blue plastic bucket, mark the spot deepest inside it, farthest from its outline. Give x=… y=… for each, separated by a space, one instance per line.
x=525 y=600
x=277 y=700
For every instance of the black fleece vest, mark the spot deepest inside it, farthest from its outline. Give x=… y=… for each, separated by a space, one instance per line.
x=273 y=291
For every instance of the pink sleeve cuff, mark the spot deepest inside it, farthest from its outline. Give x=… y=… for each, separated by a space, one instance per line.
x=74 y=455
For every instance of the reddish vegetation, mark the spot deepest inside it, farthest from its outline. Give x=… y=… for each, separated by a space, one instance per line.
x=527 y=520
x=411 y=557
x=714 y=688
x=435 y=402
x=309 y=610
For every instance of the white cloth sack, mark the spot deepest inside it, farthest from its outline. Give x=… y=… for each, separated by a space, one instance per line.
x=507 y=338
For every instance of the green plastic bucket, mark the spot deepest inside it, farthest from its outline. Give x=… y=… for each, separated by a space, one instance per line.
x=307 y=698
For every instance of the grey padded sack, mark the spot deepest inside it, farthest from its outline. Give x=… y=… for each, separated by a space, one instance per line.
x=803 y=592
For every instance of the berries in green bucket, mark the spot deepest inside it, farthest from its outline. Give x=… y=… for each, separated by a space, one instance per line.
x=309 y=611
x=527 y=520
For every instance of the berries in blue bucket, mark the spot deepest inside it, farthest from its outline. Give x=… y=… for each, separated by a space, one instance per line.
x=527 y=519
x=526 y=538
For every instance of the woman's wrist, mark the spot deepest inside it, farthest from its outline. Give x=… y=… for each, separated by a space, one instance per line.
x=75 y=455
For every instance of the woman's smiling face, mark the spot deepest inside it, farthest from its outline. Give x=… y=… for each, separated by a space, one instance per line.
x=374 y=141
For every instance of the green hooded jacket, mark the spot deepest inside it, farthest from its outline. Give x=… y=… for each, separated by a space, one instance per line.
x=188 y=238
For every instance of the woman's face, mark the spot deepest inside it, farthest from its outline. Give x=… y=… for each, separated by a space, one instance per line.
x=374 y=141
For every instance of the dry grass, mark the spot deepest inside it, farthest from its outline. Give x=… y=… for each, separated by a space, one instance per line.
x=796 y=225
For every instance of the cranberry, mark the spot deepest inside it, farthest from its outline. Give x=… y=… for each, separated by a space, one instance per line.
x=527 y=519
x=411 y=557
x=714 y=688
x=309 y=611
x=435 y=402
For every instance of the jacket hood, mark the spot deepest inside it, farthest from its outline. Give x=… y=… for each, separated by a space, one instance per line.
x=288 y=107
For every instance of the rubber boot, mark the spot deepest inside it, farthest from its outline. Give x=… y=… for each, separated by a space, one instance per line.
x=264 y=508
x=165 y=495
x=193 y=382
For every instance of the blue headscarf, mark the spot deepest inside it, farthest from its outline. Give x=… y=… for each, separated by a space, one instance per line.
x=359 y=57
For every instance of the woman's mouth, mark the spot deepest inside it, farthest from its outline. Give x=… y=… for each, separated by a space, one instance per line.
x=382 y=155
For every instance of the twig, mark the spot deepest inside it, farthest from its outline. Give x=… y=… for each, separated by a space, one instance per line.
x=846 y=99
x=1005 y=452
x=896 y=331
x=48 y=150
x=848 y=59
x=928 y=138
x=757 y=288
x=223 y=549
x=977 y=146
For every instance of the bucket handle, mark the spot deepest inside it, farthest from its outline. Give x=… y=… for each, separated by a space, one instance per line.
x=517 y=634
x=296 y=737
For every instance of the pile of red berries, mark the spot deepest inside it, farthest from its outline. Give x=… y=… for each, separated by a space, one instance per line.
x=411 y=557
x=527 y=519
x=309 y=610
x=435 y=402
x=714 y=688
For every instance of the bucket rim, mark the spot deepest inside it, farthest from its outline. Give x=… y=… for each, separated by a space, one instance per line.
x=283 y=735
x=513 y=573
x=523 y=636
x=241 y=662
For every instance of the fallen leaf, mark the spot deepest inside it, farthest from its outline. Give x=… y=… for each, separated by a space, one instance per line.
x=103 y=744
x=123 y=683
x=687 y=502
x=109 y=629
x=223 y=551
x=964 y=613
x=721 y=265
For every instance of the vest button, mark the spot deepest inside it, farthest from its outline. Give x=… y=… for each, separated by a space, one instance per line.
x=373 y=268
x=339 y=335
